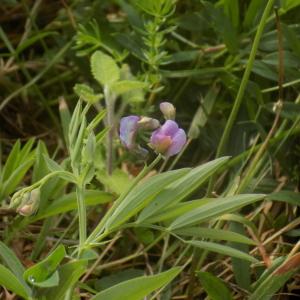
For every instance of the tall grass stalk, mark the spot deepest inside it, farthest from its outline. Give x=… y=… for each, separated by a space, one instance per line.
x=242 y=88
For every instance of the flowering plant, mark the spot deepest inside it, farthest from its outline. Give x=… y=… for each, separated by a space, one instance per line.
x=167 y=139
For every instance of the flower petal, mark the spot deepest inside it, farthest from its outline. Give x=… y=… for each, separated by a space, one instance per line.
x=159 y=142
x=169 y=128
x=178 y=141
x=128 y=129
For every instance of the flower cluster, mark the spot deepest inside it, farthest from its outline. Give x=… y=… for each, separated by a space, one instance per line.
x=167 y=139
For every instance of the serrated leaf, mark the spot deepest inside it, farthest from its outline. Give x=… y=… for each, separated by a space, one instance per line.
x=104 y=68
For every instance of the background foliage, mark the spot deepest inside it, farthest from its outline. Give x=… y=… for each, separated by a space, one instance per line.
x=194 y=54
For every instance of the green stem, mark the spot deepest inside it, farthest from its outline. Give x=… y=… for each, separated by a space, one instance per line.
x=178 y=156
x=81 y=216
x=163 y=255
x=101 y=226
x=110 y=106
x=242 y=88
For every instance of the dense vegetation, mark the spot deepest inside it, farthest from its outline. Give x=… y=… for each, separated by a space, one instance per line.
x=197 y=203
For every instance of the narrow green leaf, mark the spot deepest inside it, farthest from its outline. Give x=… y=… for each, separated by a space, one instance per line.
x=232 y=11
x=25 y=151
x=292 y=38
x=202 y=114
x=16 y=176
x=12 y=283
x=104 y=68
x=52 y=165
x=289 y=4
x=51 y=281
x=137 y=288
x=223 y=25
x=40 y=168
x=214 y=287
x=65 y=118
x=11 y=260
x=285 y=196
x=225 y=250
x=95 y=122
x=108 y=281
x=268 y=271
x=43 y=270
x=241 y=268
x=182 y=187
x=31 y=40
x=68 y=276
x=142 y=195
x=215 y=209
x=276 y=279
x=177 y=210
x=215 y=234
x=194 y=72
x=11 y=161
x=255 y=7
x=239 y=219
x=68 y=202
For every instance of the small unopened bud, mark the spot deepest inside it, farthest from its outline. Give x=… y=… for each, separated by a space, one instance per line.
x=30 y=203
x=168 y=110
x=148 y=123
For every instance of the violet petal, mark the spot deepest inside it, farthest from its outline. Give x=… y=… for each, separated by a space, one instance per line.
x=178 y=141
x=169 y=128
x=128 y=129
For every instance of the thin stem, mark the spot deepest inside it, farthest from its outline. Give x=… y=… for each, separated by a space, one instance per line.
x=242 y=88
x=100 y=227
x=81 y=216
x=257 y=161
x=163 y=255
x=163 y=165
x=110 y=106
x=178 y=156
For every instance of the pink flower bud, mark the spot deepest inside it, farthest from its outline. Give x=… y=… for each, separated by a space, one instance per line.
x=168 y=110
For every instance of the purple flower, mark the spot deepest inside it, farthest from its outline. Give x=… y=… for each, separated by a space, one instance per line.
x=169 y=139
x=128 y=130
